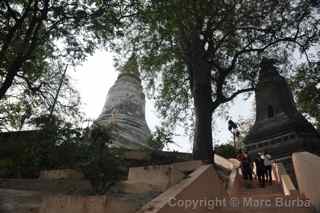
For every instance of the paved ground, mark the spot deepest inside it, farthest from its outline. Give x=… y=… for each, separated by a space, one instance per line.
x=63 y=186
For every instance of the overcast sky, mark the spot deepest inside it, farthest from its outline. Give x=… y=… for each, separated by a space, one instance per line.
x=94 y=78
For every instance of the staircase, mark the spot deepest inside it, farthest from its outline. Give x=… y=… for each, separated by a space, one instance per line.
x=217 y=183
x=269 y=199
x=153 y=187
x=250 y=197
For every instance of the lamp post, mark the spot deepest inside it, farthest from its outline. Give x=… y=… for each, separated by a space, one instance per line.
x=233 y=128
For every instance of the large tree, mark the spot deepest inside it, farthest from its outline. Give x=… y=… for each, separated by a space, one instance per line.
x=22 y=104
x=35 y=36
x=202 y=54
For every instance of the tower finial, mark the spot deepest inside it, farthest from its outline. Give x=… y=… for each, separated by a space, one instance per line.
x=268 y=63
x=131 y=66
x=268 y=68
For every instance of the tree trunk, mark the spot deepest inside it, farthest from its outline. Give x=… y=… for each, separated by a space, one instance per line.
x=202 y=146
x=199 y=71
x=12 y=72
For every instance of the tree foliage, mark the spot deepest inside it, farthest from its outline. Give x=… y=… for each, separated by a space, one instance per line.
x=226 y=150
x=201 y=54
x=37 y=37
x=56 y=145
x=21 y=105
x=306 y=85
x=160 y=139
x=60 y=145
x=104 y=166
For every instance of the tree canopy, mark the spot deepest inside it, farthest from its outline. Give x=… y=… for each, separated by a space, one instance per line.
x=195 y=55
x=201 y=54
x=306 y=85
x=37 y=39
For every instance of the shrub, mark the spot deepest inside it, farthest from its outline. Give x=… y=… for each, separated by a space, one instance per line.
x=105 y=166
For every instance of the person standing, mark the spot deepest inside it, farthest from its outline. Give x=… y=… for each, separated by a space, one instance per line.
x=268 y=167
x=241 y=157
x=247 y=167
x=260 y=169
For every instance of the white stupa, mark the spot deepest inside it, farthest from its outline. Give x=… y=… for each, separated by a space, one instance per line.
x=124 y=109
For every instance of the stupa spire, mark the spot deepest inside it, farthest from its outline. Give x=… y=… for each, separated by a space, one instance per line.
x=124 y=108
x=131 y=66
x=279 y=127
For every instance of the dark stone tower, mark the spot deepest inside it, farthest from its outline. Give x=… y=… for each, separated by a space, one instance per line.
x=279 y=128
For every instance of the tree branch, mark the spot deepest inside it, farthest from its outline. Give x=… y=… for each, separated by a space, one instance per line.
x=11 y=11
x=224 y=99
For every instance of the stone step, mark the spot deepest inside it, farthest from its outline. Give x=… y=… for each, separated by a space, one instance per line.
x=265 y=210
x=259 y=192
x=253 y=188
x=260 y=196
x=268 y=204
x=135 y=187
x=111 y=202
x=19 y=201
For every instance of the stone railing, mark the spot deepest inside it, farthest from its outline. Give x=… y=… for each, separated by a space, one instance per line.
x=281 y=176
x=234 y=181
x=203 y=184
x=307 y=170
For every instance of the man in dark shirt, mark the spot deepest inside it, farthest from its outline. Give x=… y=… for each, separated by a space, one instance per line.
x=247 y=167
x=260 y=169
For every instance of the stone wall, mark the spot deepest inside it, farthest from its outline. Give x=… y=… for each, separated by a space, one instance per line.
x=61 y=174
x=9 y=141
x=85 y=204
x=15 y=147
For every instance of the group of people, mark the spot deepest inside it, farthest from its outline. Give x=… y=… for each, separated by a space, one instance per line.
x=263 y=167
